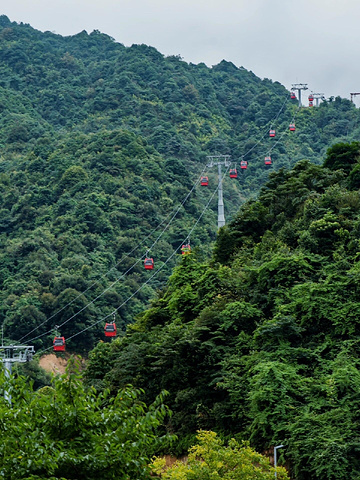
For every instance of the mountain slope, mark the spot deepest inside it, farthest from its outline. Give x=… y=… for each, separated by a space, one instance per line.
x=263 y=342
x=100 y=147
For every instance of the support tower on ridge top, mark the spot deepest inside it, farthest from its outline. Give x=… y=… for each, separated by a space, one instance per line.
x=219 y=160
x=317 y=97
x=10 y=354
x=299 y=87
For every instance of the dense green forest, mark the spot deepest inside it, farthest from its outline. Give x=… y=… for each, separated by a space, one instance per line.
x=262 y=342
x=100 y=147
x=254 y=335
x=67 y=431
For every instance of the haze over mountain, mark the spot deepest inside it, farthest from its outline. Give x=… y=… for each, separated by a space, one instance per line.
x=314 y=42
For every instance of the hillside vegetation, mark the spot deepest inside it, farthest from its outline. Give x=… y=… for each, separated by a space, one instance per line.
x=262 y=342
x=254 y=335
x=100 y=146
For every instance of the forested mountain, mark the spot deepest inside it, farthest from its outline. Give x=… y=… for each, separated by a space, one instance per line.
x=262 y=342
x=255 y=334
x=101 y=145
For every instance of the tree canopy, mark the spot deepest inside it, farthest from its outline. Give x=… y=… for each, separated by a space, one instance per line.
x=210 y=459
x=101 y=148
x=262 y=342
x=101 y=145
x=67 y=431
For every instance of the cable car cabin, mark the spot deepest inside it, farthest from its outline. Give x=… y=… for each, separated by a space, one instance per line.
x=311 y=104
x=292 y=127
x=268 y=160
x=272 y=133
x=243 y=164
x=204 y=181
x=149 y=263
x=185 y=249
x=233 y=173
x=293 y=96
x=110 y=329
x=59 y=344
x=311 y=98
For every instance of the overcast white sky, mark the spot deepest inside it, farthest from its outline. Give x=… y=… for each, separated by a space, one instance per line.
x=310 y=41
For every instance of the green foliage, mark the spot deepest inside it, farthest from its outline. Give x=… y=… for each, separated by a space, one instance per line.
x=331 y=451
x=39 y=377
x=100 y=145
x=342 y=155
x=262 y=343
x=210 y=459
x=67 y=431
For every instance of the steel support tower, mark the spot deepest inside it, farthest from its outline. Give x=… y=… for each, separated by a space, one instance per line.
x=317 y=97
x=219 y=160
x=10 y=354
x=299 y=87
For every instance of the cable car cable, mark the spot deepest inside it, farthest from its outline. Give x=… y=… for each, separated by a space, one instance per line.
x=145 y=283
x=159 y=269
x=281 y=135
x=135 y=248
x=265 y=134
x=138 y=246
x=115 y=281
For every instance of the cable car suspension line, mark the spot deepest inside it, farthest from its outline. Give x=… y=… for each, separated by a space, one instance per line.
x=267 y=153
x=202 y=180
x=267 y=129
x=138 y=246
x=145 y=283
x=168 y=259
x=118 y=279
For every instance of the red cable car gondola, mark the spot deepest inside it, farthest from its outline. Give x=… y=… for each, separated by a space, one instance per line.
x=311 y=98
x=204 y=181
x=233 y=173
x=186 y=249
x=149 y=263
x=293 y=96
x=110 y=329
x=59 y=344
x=292 y=127
x=311 y=104
x=243 y=164
x=272 y=133
x=268 y=160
